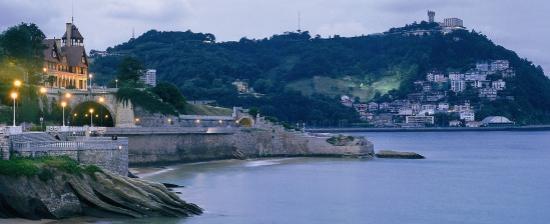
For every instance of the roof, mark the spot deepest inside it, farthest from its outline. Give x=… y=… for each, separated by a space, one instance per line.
x=73 y=54
x=51 y=45
x=496 y=120
x=75 y=34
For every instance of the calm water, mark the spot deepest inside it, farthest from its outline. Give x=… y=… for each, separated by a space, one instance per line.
x=472 y=177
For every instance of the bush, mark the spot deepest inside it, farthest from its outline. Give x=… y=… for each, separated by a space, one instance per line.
x=18 y=167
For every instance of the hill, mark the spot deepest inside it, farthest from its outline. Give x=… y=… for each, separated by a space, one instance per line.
x=301 y=77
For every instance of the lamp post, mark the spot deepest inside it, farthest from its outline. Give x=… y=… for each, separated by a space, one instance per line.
x=90 y=76
x=91 y=117
x=63 y=105
x=116 y=83
x=14 y=97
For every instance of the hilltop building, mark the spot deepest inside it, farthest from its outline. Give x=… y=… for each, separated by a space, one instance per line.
x=65 y=61
x=431 y=16
x=149 y=77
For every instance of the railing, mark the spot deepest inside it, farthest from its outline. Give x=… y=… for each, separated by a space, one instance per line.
x=49 y=146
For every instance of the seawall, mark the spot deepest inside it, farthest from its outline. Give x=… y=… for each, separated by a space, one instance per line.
x=148 y=146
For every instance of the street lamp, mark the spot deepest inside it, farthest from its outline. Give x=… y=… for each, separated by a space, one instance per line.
x=63 y=105
x=14 y=97
x=90 y=76
x=43 y=90
x=91 y=117
x=68 y=95
x=101 y=99
x=116 y=83
x=17 y=83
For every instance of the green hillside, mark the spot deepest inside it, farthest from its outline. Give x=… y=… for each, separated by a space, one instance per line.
x=301 y=76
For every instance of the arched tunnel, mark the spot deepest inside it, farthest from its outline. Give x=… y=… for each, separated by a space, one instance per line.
x=100 y=115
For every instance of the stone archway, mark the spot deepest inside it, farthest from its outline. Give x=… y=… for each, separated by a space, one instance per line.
x=102 y=115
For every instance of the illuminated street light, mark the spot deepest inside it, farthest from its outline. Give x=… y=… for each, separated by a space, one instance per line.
x=101 y=99
x=63 y=105
x=43 y=90
x=91 y=117
x=17 y=83
x=116 y=83
x=68 y=95
x=13 y=95
x=45 y=69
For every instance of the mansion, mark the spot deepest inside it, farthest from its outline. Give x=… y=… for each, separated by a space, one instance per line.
x=65 y=61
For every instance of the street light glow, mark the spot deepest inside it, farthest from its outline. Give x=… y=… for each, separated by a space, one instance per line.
x=101 y=99
x=68 y=95
x=43 y=90
x=91 y=110
x=17 y=83
x=45 y=69
x=63 y=104
x=13 y=95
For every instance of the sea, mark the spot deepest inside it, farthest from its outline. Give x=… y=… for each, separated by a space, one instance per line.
x=467 y=177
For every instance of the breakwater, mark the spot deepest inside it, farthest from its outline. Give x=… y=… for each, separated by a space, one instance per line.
x=172 y=145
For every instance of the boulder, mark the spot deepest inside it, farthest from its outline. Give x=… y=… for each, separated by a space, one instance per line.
x=398 y=155
x=99 y=194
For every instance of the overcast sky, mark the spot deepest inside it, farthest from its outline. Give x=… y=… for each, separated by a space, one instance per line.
x=522 y=26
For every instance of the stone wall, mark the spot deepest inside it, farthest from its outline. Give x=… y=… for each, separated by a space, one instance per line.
x=267 y=141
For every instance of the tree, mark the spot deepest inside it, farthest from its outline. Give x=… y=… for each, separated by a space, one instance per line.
x=130 y=70
x=23 y=47
x=169 y=93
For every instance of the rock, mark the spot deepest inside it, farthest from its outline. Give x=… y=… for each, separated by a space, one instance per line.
x=100 y=194
x=398 y=155
x=131 y=175
x=169 y=185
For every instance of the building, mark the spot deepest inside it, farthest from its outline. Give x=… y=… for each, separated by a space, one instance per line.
x=373 y=106
x=65 y=61
x=496 y=121
x=500 y=65
x=242 y=86
x=453 y=22
x=489 y=93
x=149 y=77
x=458 y=86
x=345 y=100
x=467 y=116
x=482 y=66
x=499 y=84
x=419 y=119
x=443 y=107
x=431 y=16
x=456 y=76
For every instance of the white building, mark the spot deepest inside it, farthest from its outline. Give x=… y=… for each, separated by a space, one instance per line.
x=467 y=116
x=453 y=22
x=499 y=84
x=420 y=120
x=500 y=65
x=149 y=77
x=443 y=106
x=458 y=86
x=489 y=93
x=455 y=76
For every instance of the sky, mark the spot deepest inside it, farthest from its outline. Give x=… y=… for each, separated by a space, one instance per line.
x=521 y=26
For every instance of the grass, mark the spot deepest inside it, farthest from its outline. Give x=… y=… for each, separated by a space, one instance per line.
x=43 y=166
x=350 y=86
x=207 y=110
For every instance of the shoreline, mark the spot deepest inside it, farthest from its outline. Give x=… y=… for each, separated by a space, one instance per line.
x=435 y=129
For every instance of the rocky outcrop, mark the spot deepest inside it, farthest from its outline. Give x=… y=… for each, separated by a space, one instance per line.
x=398 y=155
x=98 y=194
